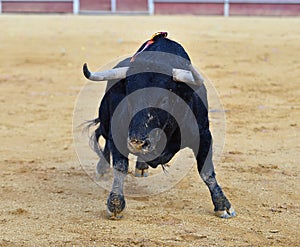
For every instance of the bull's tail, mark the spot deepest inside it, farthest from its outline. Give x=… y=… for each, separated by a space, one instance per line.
x=94 y=136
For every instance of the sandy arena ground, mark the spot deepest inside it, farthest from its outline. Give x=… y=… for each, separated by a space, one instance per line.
x=48 y=200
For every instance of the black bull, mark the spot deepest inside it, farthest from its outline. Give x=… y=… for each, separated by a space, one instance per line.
x=152 y=113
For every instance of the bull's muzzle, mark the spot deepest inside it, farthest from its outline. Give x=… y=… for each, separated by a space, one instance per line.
x=138 y=146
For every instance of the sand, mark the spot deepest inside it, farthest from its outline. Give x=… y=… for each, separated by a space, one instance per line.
x=48 y=200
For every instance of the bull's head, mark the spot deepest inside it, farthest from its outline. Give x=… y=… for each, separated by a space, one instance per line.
x=152 y=102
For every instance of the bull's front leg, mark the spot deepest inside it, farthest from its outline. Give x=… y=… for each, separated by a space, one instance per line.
x=205 y=167
x=116 y=200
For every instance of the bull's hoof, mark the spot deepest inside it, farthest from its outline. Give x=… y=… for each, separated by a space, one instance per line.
x=141 y=172
x=115 y=206
x=114 y=216
x=226 y=214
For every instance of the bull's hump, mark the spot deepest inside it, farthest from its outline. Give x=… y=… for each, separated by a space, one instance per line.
x=169 y=46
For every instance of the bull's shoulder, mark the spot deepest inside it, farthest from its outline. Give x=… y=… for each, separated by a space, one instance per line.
x=115 y=93
x=185 y=92
x=115 y=87
x=196 y=98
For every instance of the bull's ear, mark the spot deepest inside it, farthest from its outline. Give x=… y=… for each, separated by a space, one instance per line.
x=116 y=73
x=191 y=76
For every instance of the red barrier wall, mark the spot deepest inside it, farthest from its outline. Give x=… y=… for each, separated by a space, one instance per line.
x=189 y=8
x=265 y=9
x=132 y=5
x=161 y=8
x=37 y=7
x=92 y=5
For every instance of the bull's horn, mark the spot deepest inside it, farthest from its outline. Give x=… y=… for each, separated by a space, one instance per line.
x=197 y=76
x=191 y=76
x=182 y=75
x=116 y=73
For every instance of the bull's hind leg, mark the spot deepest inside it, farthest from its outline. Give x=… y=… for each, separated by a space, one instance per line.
x=104 y=161
x=116 y=200
x=104 y=155
x=141 y=168
x=205 y=167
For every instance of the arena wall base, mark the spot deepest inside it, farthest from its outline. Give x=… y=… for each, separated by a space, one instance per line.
x=158 y=7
